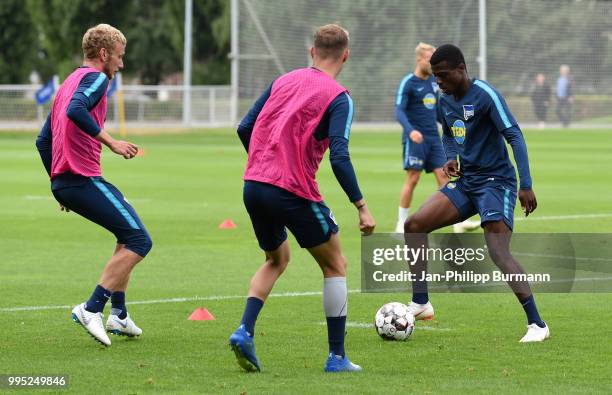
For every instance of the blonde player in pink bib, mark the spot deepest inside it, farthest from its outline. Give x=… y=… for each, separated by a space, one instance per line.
x=70 y=144
x=286 y=134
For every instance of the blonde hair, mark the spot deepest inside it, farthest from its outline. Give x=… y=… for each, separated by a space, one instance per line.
x=423 y=47
x=330 y=41
x=101 y=36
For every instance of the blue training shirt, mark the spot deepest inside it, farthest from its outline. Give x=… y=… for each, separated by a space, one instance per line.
x=474 y=127
x=90 y=91
x=335 y=125
x=415 y=106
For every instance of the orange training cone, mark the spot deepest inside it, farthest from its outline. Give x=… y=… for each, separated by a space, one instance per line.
x=141 y=152
x=227 y=224
x=201 y=314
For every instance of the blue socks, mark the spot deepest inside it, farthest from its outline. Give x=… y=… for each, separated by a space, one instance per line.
x=100 y=296
x=251 y=311
x=533 y=317
x=335 y=304
x=420 y=293
x=420 y=297
x=98 y=299
x=118 y=304
x=335 y=334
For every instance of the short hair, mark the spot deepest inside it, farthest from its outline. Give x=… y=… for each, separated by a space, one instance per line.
x=101 y=36
x=330 y=41
x=423 y=47
x=449 y=53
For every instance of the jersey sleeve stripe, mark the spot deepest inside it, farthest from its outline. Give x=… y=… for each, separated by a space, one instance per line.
x=498 y=105
x=95 y=85
x=400 y=90
x=349 y=118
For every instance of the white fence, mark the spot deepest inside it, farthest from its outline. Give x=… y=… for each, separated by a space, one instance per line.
x=157 y=106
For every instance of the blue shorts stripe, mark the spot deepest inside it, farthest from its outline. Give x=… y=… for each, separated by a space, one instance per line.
x=320 y=217
x=109 y=195
x=406 y=152
x=506 y=201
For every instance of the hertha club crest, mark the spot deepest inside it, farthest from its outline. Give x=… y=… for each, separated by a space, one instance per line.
x=468 y=111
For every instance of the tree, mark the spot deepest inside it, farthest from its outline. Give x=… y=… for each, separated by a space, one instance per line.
x=151 y=51
x=211 y=38
x=154 y=30
x=18 y=42
x=62 y=23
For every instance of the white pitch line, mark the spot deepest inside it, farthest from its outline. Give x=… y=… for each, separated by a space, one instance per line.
x=365 y=325
x=46 y=197
x=273 y=295
x=532 y=218
x=566 y=257
x=564 y=217
x=172 y=300
x=37 y=197
x=419 y=327
x=138 y=200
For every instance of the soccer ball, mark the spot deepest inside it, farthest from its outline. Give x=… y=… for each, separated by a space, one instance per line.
x=394 y=322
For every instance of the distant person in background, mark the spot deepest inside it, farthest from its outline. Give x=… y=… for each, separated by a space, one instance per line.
x=540 y=96
x=564 y=95
x=416 y=111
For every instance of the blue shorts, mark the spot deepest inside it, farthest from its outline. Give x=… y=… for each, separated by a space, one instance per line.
x=101 y=202
x=272 y=209
x=493 y=201
x=428 y=155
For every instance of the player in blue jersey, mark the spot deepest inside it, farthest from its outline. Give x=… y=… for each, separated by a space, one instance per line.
x=415 y=110
x=476 y=125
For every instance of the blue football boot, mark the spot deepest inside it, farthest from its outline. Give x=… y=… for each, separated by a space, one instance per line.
x=337 y=363
x=243 y=346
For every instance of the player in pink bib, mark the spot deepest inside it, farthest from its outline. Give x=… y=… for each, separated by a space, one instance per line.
x=69 y=144
x=286 y=134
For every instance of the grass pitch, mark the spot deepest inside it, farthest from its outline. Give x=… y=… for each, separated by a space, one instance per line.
x=185 y=185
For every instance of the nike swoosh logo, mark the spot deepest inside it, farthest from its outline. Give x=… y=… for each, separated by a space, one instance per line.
x=121 y=323
x=85 y=320
x=448 y=113
x=491 y=213
x=420 y=89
